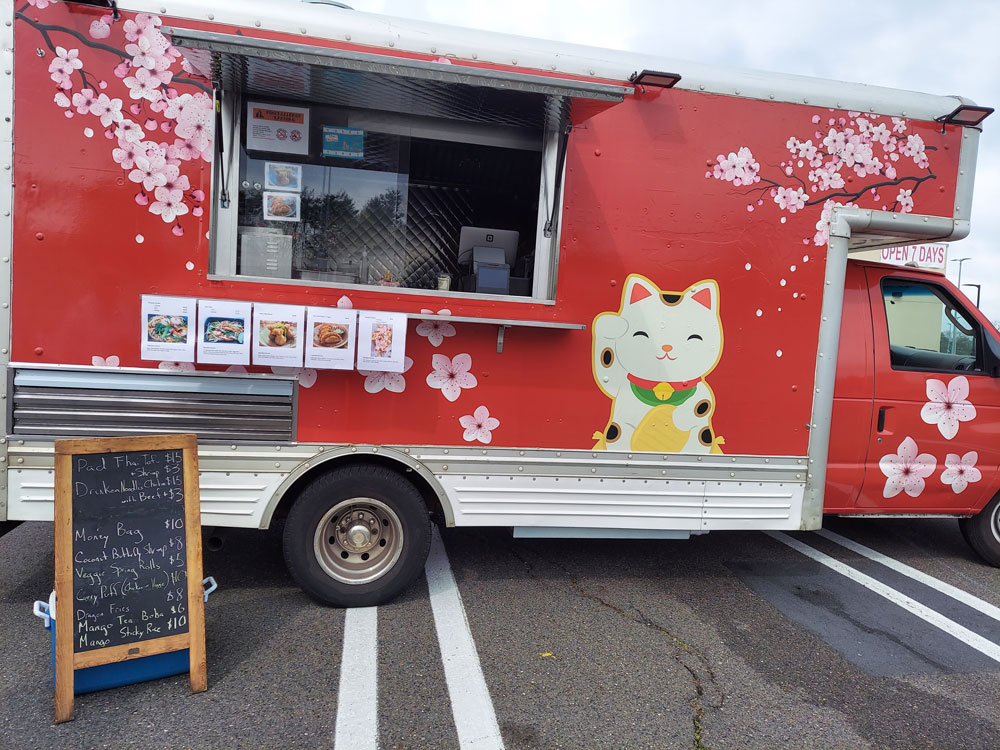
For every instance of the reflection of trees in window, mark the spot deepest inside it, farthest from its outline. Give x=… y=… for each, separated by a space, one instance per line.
x=383 y=211
x=955 y=342
x=327 y=222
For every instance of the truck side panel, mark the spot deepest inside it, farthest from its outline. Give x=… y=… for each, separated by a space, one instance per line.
x=650 y=193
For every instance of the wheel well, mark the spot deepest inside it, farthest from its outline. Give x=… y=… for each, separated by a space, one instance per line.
x=427 y=492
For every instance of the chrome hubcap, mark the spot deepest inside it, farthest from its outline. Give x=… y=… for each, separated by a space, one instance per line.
x=358 y=540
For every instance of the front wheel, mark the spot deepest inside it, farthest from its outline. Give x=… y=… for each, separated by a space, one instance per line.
x=982 y=532
x=357 y=536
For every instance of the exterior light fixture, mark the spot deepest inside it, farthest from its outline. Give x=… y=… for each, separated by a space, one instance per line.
x=966 y=115
x=657 y=78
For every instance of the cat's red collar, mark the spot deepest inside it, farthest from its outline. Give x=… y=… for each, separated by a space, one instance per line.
x=651 y=384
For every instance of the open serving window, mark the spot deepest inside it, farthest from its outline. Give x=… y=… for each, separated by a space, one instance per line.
x=343 y=168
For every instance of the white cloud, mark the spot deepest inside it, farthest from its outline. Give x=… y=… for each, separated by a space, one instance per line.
x=920 y=45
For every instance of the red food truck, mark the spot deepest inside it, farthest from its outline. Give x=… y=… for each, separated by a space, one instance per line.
x=384 y=268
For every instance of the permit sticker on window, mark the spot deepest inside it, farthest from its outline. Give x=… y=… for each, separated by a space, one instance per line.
x=343 y=143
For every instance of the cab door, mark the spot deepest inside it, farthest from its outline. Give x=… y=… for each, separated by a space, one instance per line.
x=852 y=397
x=932 y=446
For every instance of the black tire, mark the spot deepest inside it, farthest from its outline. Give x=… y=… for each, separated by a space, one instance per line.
x=357 y=536
x=982 y=532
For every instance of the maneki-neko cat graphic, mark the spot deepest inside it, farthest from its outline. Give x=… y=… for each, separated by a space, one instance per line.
x=651 y=358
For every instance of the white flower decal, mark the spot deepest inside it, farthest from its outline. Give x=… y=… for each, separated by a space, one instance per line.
x=237 y=369
x=394 y=382
x=111 y=361
x=306 y=375
x=452 y=375
x=179 y=366
x=948 y=405
x=479 y=425
x=435 y=330
x=959 y=471
x=345 y=302
x=906 y=470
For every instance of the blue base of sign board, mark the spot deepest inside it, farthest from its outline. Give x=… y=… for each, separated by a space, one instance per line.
x=106 y=676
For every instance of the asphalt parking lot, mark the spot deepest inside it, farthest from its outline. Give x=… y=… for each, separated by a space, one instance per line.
x=875 y=634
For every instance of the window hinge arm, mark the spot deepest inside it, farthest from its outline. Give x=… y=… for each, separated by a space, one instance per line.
x=550 y=223
x=221 y=150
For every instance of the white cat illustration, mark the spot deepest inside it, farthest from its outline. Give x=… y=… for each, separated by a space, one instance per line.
x=651 y=358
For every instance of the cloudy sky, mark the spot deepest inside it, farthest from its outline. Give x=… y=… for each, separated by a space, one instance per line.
x=934 y=47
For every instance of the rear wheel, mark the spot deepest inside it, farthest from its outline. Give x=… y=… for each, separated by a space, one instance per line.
x=982 y=532
x=357 y=536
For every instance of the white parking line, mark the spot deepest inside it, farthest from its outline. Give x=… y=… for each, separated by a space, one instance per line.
x=927 y=614
x=357 y=696
x=471 y=706
x=945 y=588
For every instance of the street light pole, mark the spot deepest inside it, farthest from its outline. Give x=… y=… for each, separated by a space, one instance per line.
x=960 y=261
x=978 y=289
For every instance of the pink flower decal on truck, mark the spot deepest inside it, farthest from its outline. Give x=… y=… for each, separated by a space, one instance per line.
x=948 y=405
x=960 y=471
x=452 y=375
x=905 y=470
x=479 y=426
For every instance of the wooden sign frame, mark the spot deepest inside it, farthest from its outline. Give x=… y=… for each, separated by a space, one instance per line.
x=67 y=661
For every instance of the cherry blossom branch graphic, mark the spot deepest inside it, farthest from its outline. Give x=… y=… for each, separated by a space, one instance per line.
x=148 y=68
x=814 y=175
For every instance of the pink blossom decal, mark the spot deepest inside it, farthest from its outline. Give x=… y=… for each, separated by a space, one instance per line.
x=905 y=470
x=960 y=471
x=306 y=375
x=435 y=330
x=111 y=361
x=948 y=405
x=149 y=71
x=872 y=151
x=451 y=375
x=394 y=382
x=479 y=426
x=345 y=302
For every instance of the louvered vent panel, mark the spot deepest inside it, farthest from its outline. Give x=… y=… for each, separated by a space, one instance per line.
x=76 y=403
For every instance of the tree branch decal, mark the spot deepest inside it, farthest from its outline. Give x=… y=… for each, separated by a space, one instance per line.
x=147 y=67
x=870 y=146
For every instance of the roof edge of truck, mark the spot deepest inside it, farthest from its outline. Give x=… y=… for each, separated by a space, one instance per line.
x=523 y=53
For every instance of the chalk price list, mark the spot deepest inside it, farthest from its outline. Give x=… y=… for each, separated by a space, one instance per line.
x=129 y=556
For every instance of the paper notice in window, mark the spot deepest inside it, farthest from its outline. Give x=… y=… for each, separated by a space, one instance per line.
x=224 y=332
x=168 y=328
x=381 y=341
x=283 y=130
x=277 y=335
x=331 y=335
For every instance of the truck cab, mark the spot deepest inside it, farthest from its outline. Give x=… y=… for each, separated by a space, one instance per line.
x=916 y=403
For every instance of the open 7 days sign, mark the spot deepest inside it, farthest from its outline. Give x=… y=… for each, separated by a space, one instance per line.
x=924 y=256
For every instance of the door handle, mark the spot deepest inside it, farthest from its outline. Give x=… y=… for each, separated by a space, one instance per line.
x=881 y=419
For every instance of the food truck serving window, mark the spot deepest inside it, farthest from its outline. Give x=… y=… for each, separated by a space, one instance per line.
x=361 y=196
x=407 y=175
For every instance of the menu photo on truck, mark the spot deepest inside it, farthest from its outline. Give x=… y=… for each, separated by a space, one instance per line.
x=381 y=341
x=277 y=334
x=331 y=333
x=167 y=328
x=224 y=332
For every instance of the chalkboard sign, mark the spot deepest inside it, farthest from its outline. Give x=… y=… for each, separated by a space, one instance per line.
x=128 y=555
